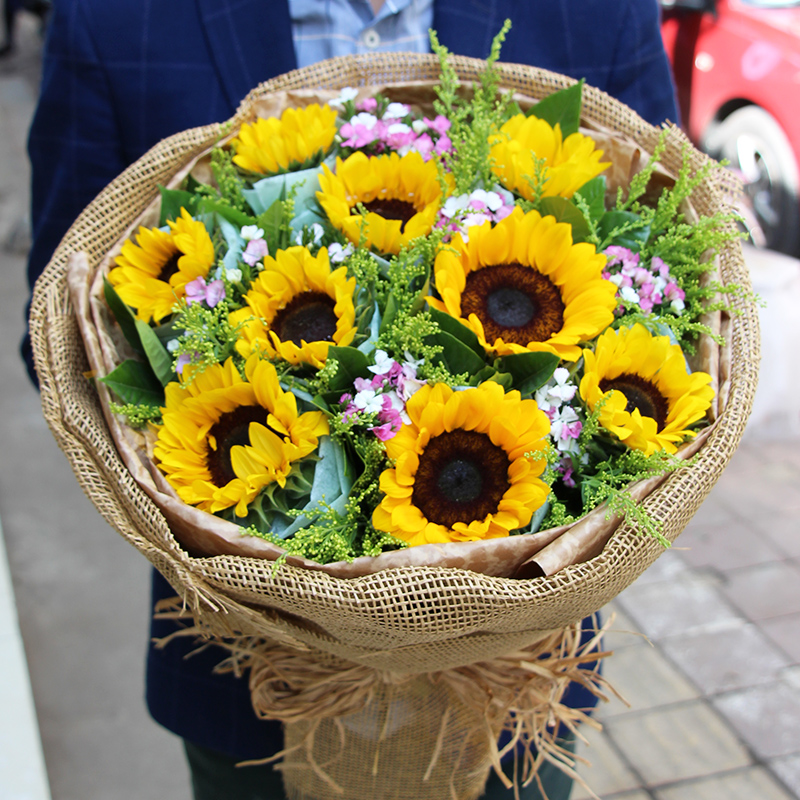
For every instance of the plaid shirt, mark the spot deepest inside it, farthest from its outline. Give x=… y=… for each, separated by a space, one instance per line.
x=344 y=27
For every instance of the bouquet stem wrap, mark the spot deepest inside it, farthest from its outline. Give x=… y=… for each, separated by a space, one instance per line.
x=357 y=732
x=421 y=629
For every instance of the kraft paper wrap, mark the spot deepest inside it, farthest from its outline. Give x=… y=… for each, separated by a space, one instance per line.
x=414 y=612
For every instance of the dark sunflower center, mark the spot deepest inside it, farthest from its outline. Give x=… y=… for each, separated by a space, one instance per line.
x=170 y=268
x=390 y=208
x=231 y=429
x=513 y=302
x=642 y=394
x=461 y=477
x=309 y=317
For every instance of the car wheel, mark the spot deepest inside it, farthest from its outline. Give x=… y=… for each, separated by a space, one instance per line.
x=757 y=148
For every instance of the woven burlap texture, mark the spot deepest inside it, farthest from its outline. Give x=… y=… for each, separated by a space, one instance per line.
x=415 y=619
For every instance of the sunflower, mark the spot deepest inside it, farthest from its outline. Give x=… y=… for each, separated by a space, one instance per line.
x=297 y=308
x=271 y=146
x=523 y=285
x=567 y=163
x=151 y=275
x=224 y=438
x=467 y=467
x=401 y=197
x=650 y=398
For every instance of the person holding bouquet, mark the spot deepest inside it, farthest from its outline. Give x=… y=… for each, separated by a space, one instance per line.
x=119 y=77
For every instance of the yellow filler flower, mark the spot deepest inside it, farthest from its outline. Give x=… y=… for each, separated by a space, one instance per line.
x=224 y=438
x=151 y=275
x=466 y=468
x=401 y=197
x=650 y=397
x=297 y=308
x=271 y=146
x=565 y=164
x=522 y=285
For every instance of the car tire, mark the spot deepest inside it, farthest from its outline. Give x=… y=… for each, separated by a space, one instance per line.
x=754 y=143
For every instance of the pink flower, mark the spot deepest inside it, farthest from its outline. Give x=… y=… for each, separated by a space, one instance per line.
x=444 y=145
x=399 y=135
x=440 y=124
x=358 y=135
x=502 y=212
x=256 y=250
x=367 y=104
x=674 y=292
x=658 y=265
x=423 y=145
x=183 y=360
x=197 y=291
x=621 y=255
x=385 y=431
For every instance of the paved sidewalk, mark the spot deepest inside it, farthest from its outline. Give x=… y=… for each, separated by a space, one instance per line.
x=715 y=693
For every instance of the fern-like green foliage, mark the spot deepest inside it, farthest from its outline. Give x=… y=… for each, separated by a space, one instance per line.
x=474 y=119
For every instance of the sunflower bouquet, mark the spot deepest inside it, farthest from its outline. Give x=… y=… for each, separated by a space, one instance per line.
x=396 y=381
x=368 y=328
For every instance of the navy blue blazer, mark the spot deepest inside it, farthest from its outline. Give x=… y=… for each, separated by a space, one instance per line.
x=119 y=76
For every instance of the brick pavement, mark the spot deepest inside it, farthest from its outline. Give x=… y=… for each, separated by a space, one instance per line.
x=714 y=689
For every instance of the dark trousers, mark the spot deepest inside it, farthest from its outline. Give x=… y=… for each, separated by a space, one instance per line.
x=216 y=777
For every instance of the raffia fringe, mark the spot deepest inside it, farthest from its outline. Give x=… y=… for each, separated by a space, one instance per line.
x=519 y=693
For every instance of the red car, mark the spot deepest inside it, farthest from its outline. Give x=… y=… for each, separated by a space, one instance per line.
x=737 y=69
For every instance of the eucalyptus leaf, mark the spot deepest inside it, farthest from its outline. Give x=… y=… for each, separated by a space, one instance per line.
x=331 y=484
x=566 y=211
x=455 y=328
x=530 y=371
x=369 y=324
x=160 y=360
x=561 y=108
x=134 y=382
x=233 y=239
x=124 y=316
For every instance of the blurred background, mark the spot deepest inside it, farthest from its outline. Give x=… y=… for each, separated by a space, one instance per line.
x=707 y=642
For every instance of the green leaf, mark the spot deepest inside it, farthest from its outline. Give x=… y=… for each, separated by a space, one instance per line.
x=632 y=238
x=134 y=382
x=566 y=211
x=455 y=328
x=160 y=360
x=562 y=107
x=124 y=316
x=389 y=314
x=167 y=332
x=172 y=200
x=352 y=364
x=529 y=370
x=490 y=373
x=456 y=356
x=271 y=221
x=231 y=214
x=594 y=194
x=421 y=298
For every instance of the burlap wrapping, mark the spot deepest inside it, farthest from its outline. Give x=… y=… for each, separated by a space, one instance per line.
x=408 y=618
